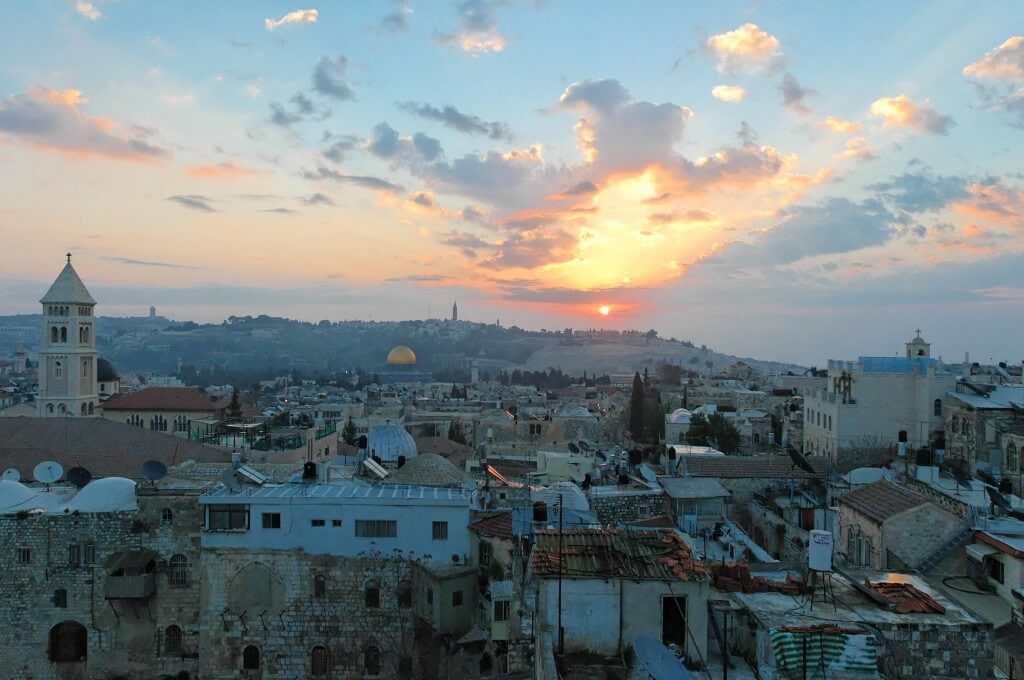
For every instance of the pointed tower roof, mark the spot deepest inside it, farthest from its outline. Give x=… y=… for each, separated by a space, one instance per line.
x=68 y=288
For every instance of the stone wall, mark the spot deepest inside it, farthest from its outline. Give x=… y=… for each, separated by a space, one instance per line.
x=914 y=536
x=628 y=506
x=935 y=651
x=945 y=502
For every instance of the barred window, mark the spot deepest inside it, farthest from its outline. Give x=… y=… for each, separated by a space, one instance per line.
x=227 y=517
x=24 y=555
x=172 y=640
x=376 y=528
x=440 y=531
x=178 y=575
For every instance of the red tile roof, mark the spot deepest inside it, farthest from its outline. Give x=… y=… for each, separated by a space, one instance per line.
x=882 y=500
x=496 y=526
x=759 y=467
x=908 y=598
x=166 y=399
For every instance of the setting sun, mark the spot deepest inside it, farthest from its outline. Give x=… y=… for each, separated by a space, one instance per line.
x=604 y=310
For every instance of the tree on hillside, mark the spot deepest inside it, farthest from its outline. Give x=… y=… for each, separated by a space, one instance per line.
x=636 y=409
x=455 y=432
x=669 y=374
x=235 y=407
x=348 y=433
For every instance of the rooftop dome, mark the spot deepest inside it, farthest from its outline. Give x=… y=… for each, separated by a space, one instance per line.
x=388 y=442
x=575 y=411
x=105 y=371
x=401 y=356
x=13 y=494
x=680 y=416
x=108 y=494
x=429 y=469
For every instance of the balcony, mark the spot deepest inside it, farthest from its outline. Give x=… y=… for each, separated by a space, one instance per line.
x=133 y=587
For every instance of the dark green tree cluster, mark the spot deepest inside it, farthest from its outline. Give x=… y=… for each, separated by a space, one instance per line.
x=646 y=415
x=348 y=433
x=455 y=432
x=716 y=431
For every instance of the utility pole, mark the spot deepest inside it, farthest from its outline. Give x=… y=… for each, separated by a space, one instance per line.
x=561 y=569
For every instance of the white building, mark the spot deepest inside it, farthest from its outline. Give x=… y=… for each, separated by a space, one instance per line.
x=67 y=357
x=869 y=403
x=428 y=523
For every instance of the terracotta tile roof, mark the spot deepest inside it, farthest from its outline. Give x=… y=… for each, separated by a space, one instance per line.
x=107 y=448
x=166 y=399
x=496 y=526
x=652 y=554
x=735 y=577
x=882 y=500
x=907 y=597
x=761 y=467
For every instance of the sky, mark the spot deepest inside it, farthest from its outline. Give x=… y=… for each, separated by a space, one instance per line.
x=774 y=181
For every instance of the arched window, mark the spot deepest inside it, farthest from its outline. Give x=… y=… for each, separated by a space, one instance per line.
x=54 y=334
x=319 y=586
x=69 y=642
x=178 y=575
x=81 y=334
x=320 y=662
x=49 y=408
x=954 y=424
x=251 y=658
x=166 y=517
x=85 y=334
x=937 y=408
x=92 y=406
x=172 y=641
x=62 y=409
x=371 y=661
x=85 y=368
x=58 y=369
x=1011 y=458
x=85 y=409
x=64 y=334
x=405 y=594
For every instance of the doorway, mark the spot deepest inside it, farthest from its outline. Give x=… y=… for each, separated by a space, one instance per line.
x=673 y=621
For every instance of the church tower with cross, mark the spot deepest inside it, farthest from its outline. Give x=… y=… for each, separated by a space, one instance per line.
x=918 y=347
x=67 y=355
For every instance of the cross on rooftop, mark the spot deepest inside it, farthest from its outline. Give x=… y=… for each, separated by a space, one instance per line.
x=69 y=258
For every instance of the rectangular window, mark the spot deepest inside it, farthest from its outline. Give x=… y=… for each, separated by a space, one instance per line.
x=501 y=608
x=60 y=598
x=430 y=596
x=74 y=555
x=89 y=554
x=457 y=598
x=376 y=528
x=318 y=522
x=271 y=520
x=440 y=531
x=485 y=554
x=373 y=597
x=24 y=555
x=995 y=570
x=227 y=517
x=335 y=522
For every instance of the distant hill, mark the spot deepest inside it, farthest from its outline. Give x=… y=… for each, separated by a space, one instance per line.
x=263 y=345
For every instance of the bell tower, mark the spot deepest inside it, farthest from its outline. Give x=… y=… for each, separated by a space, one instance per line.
x=67 y=355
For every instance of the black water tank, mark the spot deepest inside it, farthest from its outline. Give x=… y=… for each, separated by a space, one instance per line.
x=540 y=512
x=401 y=461
x=309 y=470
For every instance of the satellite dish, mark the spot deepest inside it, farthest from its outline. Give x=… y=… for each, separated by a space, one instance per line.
x=998 y=499
x=11 y=475
x=47 y=472
x=230 y=481
x=79 y=476
x=154 y=470
x=573 y=448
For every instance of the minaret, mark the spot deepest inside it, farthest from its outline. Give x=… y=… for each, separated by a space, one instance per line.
x=67 y=357
x=455 y=311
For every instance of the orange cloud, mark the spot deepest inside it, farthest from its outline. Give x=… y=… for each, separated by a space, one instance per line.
x=746 y=49
x=226 y=170
x=902 y=112
x=992 y=202
x=1005 y=62
x=299 y=16
x=856 y=149
x=841 y=125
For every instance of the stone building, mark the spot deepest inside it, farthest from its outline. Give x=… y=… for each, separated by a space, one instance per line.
x=165 y=409
x=975 y=415
x=884 y=526
x=67 y=357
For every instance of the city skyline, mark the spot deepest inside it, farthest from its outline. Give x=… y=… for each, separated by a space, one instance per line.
x=772 y=185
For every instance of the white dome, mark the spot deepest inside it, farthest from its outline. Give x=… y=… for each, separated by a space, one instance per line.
x=13 y=494
x=680 y=416
x=572 y=496
x=388 y=442
x=108 y=494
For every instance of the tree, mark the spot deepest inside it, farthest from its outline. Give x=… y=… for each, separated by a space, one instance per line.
x=669 y=374
x=235 y=407
x=636 y=409
x=724 y=433
x=455 y=432
x=348 y=433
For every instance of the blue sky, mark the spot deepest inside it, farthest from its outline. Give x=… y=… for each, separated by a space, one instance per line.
x=832 y=175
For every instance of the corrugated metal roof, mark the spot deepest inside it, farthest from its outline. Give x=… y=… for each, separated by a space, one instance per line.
x=342 y=492
x=693 y=487
x=601 y=553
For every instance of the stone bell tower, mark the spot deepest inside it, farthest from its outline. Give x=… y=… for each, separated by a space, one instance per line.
x=67 y=356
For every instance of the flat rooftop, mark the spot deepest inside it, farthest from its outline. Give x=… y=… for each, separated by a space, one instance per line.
x=316 y=493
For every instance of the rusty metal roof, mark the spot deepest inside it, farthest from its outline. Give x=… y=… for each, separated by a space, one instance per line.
x=601 y=553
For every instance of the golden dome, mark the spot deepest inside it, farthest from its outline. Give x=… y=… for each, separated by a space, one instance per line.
x=401 y=356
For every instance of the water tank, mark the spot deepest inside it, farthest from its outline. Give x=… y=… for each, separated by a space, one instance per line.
x=819 y=550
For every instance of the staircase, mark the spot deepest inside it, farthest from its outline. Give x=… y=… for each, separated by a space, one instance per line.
x=944 y=551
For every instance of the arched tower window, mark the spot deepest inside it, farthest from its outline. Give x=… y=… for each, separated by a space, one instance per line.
x=58 y=369
x=937 y=407
x=166 y=517
x=92 y=406
x=178 y=576
x=49 y=408
x=251 y=658
x=64 y=334
x=54 y=334
x=320 y=662
x=172 y=640
x=85 y=409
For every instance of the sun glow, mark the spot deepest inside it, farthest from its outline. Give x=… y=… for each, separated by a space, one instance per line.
x=605 y=310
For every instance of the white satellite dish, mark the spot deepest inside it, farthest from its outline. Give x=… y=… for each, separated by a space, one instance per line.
x=230 y=481
x=11 y=475
x=48 y=472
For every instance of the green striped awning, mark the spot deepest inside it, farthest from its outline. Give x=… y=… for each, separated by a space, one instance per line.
x=826 y=648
